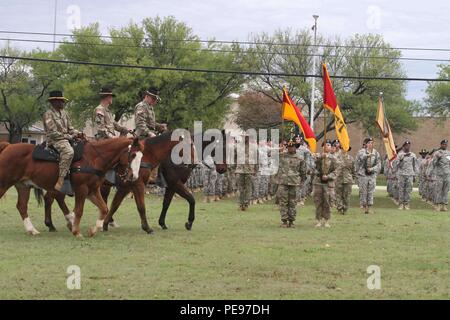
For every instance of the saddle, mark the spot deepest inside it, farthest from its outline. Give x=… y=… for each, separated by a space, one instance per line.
x=44 y=152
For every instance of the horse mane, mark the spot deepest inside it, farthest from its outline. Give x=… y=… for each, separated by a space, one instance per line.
x=158 y=139
x=100 y=143
x=3 y=145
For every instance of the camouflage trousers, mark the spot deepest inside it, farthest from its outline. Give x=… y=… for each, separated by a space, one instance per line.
x=343 y=192
x=273 y=187
x=441 y=188
x=422 y=186
x=392 y=187
x=287 y=196
x=255 y=189
x=209 y=181
x=245 y=189
x=322 y=200
x=263 y=186
x=430 y=190
x=366 y=190
x=229 y=181
x=66 y=155
x=219 y=185
x=405 y=186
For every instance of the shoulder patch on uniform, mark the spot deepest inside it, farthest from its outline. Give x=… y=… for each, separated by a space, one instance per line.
x=100 y=112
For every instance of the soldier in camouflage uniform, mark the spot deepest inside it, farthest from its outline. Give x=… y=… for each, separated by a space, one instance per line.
x=59 y=132
x=391 y=180
x=246 y=168
x=304 y=154
x=264 y=171
x=209 y=179
x=324 y=176
x=105 y=126
x=367 y=166
x=292 y=172
x=421 y=161
x=344 y=180
x=441 y=161
x=407 y=169
x=430 y=173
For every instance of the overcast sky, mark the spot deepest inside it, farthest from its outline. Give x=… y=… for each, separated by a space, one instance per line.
x=413 y=23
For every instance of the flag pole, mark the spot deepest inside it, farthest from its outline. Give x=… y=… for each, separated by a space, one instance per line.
x=282 y=115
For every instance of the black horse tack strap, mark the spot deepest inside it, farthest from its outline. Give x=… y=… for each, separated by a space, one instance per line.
x=146 y=165
x=88 y=170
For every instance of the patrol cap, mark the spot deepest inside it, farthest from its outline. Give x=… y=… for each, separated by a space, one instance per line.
x=56 y=95
x=444 y=141
x=154 y=92
x=106 y=91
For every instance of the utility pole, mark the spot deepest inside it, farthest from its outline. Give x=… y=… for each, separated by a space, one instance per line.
x=54 y=25
x=313 y=87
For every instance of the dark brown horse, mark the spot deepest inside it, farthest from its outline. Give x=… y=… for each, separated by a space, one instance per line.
x=19 y=169
x=154 y=151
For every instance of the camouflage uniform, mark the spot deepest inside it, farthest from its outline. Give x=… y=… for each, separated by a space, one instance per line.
x=59 y=131
x=367 y=166
x=105 y=125
x=245 y=171
x=406 y=167
x=421 y=176
x=441 y=161
x=291 y=173
x=430 y=173
x=304 y=154
x=391 y=180
x=344 y=180
x=209 y=177
x=145 y=120
x=325 y=164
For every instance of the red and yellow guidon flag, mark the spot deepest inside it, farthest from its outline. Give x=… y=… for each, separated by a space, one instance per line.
x=292 y=113
x=330 y=102
x=386 y=132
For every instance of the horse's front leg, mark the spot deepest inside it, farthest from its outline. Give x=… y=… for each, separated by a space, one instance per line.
x=139 y=198
x=117 y=201
x=69 y=216
x=22 y=205
x=97 y=200
x=80 y=199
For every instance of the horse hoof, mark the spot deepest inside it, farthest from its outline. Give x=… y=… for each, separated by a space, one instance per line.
x=52 y=229
x=69 y=226
x=188 y=226
x=105 y=227
x=148 y=230
x=91 y=232
x=78 y=236
x=163 y=226
x=33 y=232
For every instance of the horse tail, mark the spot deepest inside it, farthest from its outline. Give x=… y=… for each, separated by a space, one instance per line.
x=3 y=145
x=39 y=195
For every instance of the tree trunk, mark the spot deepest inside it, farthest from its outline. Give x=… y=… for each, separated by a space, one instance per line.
x=15 y=133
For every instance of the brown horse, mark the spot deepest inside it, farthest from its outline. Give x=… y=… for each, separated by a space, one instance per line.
x=19 y=169
x=175 y=176
x=155 y=150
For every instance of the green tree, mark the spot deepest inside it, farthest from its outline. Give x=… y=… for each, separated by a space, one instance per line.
x=438 y=94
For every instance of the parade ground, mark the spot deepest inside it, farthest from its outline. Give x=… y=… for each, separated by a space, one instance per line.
x=230 y=254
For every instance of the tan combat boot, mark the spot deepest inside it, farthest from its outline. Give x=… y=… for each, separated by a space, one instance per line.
x=327 y=224
x=59 y=184
x=401 y=207
x=318 y=224
x=406 y=207
x=284 y=224
x=444 y=208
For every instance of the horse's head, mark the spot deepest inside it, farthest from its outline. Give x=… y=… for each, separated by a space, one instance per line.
x=130 y=161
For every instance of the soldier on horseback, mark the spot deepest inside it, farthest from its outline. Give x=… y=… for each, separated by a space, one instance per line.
x=59 y=132
x=105 y=125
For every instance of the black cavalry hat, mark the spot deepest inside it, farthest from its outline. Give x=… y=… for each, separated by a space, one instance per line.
x=106 y=91
x=152 y=91
x=423 y=151
x=56 y=95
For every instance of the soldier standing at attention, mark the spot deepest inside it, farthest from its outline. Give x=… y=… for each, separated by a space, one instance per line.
x=292 y=173
x=421 y=161
x=367 y=166
x=245 y=170
x=325 y=174
x=209 y=180
x=344 y=180
x=407 y=169
x=59 y=132
x=105 y=125
x=441 y=161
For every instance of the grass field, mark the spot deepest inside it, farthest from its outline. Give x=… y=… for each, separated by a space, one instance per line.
x=230 y=255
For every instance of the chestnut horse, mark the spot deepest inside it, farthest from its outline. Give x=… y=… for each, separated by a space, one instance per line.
x=19 y=169
x=155 y=150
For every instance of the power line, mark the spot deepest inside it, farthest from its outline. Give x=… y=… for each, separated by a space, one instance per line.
x=234 y=42
x=224 y=50
x=251 y=73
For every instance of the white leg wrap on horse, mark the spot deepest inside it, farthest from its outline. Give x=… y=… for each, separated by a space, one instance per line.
x=29 y=227
x=70 y=217
x=99 y=224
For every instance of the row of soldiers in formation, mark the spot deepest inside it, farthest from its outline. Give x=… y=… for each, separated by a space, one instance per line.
x=431 y=170
x=329 y=176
